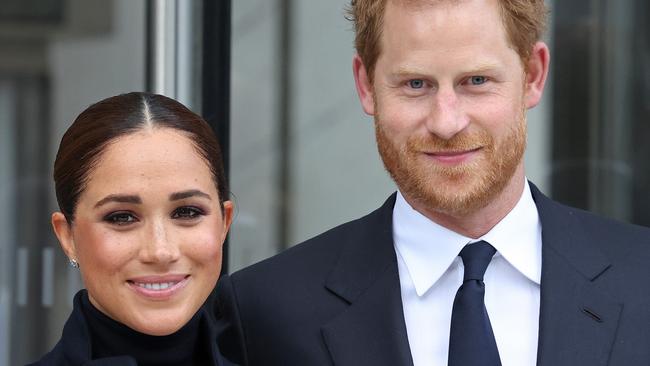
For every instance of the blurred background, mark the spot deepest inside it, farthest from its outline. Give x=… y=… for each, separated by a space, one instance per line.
x=273 y=77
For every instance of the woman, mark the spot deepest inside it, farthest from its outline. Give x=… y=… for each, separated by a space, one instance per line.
x=143 y=215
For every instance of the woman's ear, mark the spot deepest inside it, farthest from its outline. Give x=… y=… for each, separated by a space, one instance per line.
x=228 y=208
x=63 y=231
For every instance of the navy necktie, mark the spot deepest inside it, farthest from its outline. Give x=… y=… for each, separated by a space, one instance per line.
x=471 y=341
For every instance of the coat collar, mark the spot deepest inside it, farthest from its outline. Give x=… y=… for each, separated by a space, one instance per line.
x=75 y=343
x=577 y=321
x=563 y=234
x=366 y=277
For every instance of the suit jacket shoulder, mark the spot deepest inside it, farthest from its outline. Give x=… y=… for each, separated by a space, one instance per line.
x=335 y=299
x=591 y=242
x=301 y=306
x=316 y=256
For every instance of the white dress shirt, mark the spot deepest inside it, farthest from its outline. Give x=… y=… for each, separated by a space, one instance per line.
x=431 y=272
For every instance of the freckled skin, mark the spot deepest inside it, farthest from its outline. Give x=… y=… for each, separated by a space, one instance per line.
x=159 y=238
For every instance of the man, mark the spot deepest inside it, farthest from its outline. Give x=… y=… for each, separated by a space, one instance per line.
x=449 y=84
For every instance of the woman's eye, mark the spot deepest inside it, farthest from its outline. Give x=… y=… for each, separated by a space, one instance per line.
x=477 y=80
x=187 y=213
x=416 y=83
x=120 y=218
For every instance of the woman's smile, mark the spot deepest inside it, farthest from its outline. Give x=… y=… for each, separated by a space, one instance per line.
x=159 y=287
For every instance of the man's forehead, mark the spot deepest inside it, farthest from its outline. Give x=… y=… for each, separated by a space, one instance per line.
x=414 y=6
x=407 y=13
x=448 y=29
x=422 y=4
x=445 y=9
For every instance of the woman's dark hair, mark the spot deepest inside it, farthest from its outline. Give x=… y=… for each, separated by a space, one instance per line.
x=103 y=122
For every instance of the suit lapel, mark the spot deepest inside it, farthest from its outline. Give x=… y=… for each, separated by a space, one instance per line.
x=577 y=322
x=371 y=331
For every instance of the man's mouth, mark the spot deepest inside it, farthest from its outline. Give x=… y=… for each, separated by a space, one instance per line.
x=453 y=157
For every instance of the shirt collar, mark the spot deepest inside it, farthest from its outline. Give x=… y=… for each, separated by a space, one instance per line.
x=429 y=249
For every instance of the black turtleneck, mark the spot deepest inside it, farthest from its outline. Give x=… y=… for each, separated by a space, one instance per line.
x=189 y=346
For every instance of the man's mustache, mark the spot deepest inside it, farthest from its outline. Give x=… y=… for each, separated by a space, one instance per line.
x=460 y=142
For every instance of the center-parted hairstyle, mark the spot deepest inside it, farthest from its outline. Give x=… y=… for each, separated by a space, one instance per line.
x=524 y=22
x=103 y=122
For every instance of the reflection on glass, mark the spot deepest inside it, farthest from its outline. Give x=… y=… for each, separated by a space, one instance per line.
x=601 y=107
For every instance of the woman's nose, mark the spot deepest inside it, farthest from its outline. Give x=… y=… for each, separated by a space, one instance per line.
x=158 y=246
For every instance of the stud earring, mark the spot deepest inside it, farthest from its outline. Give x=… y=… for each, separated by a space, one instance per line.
x=73 y=263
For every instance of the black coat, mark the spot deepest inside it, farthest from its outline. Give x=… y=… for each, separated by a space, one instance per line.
x=335 y=299
x=74 y=347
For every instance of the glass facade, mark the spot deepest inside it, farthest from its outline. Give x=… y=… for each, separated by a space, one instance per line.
x=302 y=155
x=601 y=96
x=56 y=60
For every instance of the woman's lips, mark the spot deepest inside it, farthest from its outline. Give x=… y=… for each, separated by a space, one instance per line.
x=158 y=287
x=452 y=157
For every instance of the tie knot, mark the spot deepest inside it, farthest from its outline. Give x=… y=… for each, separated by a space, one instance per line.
x=476 y=258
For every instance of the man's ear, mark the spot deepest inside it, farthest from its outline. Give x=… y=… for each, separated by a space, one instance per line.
x=63 y=231
x=536 y=74
x=364 y=86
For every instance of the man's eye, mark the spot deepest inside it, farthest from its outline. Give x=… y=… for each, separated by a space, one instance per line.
x=187 y=212
x=120 y=218
x=416 y=83
x=477 y=80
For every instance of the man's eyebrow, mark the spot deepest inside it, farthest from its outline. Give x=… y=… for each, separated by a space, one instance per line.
x=187 y=194
x=482 y=68
x=472 y=69
x=408 y=71
x=120 y=198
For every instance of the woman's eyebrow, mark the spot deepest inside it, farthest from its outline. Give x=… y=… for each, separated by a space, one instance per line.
x=187 y=194
x=120 y=198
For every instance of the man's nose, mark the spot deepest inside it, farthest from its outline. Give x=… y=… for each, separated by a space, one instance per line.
x=446 y=117
x=159 y=247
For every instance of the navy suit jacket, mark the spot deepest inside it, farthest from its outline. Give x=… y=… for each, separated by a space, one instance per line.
x=335 y=299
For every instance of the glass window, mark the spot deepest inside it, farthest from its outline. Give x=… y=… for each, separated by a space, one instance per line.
x=601 y=99
x=56 y=60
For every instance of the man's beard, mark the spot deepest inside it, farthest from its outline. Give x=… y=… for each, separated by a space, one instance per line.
x=456 y=190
